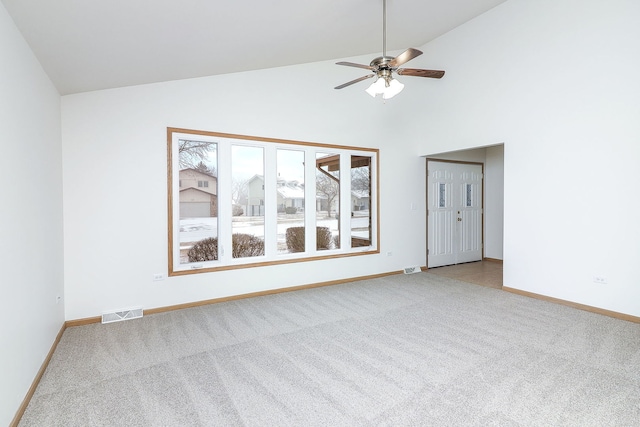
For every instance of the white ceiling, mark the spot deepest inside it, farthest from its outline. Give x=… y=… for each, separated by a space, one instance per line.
x=86 y=45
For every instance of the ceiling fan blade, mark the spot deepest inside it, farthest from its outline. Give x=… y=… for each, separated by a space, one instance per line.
x=435 y=74
x=354 y=81
x=404 y=57
x=353 y=64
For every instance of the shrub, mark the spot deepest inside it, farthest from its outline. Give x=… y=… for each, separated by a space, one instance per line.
x=323 y=238
x=295 y=238
x=243 y=245
x=290 y=210
x=236 y=210
x=204 y=250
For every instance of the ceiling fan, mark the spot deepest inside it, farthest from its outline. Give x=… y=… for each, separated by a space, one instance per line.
x=384 y=66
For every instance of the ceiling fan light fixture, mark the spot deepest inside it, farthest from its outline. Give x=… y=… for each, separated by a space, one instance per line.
x=377 y=87
x=394 y=88
x=388 y=87
x=384 y=66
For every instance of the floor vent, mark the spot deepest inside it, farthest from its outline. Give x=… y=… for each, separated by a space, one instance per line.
x=411 y=270
x=119 y=316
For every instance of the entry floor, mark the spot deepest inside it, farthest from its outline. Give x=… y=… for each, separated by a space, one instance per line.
x=484 y=273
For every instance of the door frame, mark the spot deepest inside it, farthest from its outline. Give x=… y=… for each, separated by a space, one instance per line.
x=426 y=201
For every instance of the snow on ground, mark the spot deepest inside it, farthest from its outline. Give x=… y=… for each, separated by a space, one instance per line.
x=195 y=229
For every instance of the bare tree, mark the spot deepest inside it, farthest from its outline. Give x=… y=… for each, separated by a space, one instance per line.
x=361 y=179
x=193 y=152
x=202 y=167
x=239 y=191
x=327 y=187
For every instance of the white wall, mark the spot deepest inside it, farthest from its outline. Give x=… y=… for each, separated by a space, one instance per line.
x=494 y=202
x=476 y=155
x=30 y=217
x=556 y=82
x=114 y=145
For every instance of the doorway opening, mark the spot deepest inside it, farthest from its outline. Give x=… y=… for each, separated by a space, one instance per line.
x=489 y=198
x=454 y=212
x=484 y=273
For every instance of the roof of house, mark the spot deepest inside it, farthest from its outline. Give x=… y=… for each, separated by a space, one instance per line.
x=198 y=172
x=201 y=190
x=295 y=190
x=291 y=192
x=360 y=194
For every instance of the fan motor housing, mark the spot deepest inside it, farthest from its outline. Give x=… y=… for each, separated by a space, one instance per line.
x=381 y=62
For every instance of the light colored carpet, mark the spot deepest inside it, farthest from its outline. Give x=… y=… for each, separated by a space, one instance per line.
x=414 y=350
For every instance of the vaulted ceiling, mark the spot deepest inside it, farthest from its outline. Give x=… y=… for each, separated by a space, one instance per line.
x=88 y=45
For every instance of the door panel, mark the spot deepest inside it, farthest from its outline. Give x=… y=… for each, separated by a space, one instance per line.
x=442 y=232
x=442 y=216
x=454 y=203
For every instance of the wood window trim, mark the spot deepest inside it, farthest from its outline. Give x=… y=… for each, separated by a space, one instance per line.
x=332 y=163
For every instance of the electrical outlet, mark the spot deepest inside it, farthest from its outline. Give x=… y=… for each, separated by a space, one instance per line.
x=158 y=277
x=601 y=280
x=389 y=253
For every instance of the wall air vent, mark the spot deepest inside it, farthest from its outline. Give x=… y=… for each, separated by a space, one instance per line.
x=118 y=316
x=412 y=270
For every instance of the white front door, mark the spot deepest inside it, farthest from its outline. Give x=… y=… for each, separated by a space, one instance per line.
x=454 y=212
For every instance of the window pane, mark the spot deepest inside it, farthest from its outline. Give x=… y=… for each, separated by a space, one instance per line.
x=247 y=223
x=442 y=188
x=198 y=198
x=290 y=200
x=360 y=201
x=328 y=200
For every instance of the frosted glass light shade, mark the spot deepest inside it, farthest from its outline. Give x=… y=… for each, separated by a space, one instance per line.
x=376 y=87
x=394 y=88
x=388 y=89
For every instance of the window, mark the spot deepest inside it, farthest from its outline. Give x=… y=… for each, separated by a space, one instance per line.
x=247 y=229
x=328 y=195
x=360 y=195
x=290 y=200
x=237 y=201
x=442 y=191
